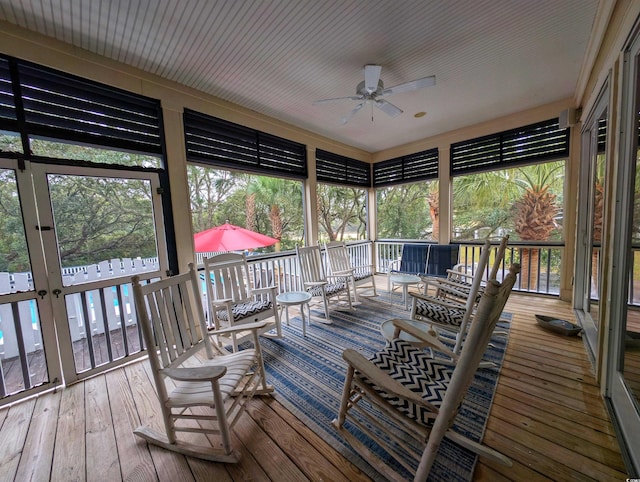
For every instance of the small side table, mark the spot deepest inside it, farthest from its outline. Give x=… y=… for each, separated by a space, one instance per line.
x=292 y=298
x=405 y=280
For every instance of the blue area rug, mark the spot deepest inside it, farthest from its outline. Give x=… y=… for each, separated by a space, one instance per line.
x=308 y=375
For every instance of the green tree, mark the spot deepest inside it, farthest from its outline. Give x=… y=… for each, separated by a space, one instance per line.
x=101 y=218
x=403 y=212
x=341 y=210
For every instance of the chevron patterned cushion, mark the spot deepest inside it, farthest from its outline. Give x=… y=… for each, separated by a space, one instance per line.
x=415 y=369
x=361 y=276
x=456 y=286
x=439 y=314
x=330 y=289
x=245 y=310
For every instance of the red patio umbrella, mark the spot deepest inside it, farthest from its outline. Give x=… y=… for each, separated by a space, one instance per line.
x=230 y=238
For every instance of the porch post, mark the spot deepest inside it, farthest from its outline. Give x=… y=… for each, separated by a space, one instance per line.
x=311 y=199
x=444 y=194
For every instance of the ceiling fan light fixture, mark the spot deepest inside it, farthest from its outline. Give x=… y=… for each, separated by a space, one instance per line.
x=417 y=115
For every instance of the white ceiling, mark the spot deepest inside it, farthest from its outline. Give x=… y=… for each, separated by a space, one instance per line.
x=490 y=57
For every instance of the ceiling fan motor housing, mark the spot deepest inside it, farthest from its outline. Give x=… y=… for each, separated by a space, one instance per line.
x=362 y=90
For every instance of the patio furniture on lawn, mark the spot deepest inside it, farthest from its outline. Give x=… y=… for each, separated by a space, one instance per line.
x=317 y=283
x=416 y=398
x=199 y=389
x=340 y=263
x=293 y=298
x=232 y=301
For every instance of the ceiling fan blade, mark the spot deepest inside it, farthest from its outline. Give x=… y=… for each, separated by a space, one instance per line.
x=346 y=118
x=388 y=108
x=413 y=85
x=336 y=99
x=371 y=77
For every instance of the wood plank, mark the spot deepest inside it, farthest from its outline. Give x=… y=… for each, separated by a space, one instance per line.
x=346 y=467
x=13 y=435
x=276 y=463
x=102 y=454
x=135 y=459
x=37 y=454
x=169 y=466
x=69 y=453
x=561 y=438
x=556 y=459
x=304 y=454
x=558 y=420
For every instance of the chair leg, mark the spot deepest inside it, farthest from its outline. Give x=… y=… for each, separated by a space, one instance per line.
x=344 y=402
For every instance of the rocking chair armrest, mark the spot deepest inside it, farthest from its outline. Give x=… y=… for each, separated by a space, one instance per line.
x=382 y=379
x=437 y=301
x=461 y=274
x=241 y=327
x=195 y=374
x=311 y=284
x=221 y=302
x=392 y=266
x=450 y=287
x=266 y=289
x=342 y=273
x=425 y=337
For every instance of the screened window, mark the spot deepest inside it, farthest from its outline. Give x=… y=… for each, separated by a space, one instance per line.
x=264 y=204
x=408 y=211
x=342 y=197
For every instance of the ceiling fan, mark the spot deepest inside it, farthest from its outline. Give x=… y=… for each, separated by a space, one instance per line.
x=371 y=91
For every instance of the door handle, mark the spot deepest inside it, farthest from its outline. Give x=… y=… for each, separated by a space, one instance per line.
x=57 y=292
x=41 y=293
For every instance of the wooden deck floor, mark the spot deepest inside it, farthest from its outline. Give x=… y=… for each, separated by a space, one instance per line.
x=548 y=417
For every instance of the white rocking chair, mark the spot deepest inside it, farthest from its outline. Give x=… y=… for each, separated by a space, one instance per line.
x=316 y=282
x=340 y=265
x=197 y=390
x=416 y=397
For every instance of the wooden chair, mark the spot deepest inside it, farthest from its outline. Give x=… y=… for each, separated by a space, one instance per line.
x=453 y=305
x=340 y=264
x=414 y=396
x=316 y=282
x=232 y=301
x=197 y=390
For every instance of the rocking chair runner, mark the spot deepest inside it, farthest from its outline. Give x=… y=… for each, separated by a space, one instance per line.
x=417 y=396
x=197 y=390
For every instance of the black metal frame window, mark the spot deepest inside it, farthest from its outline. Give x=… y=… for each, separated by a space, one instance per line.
x=224 y=144
x=421 y=166
x=335 y=169
x=543 y=141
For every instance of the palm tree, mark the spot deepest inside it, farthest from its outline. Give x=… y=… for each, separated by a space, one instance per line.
x=275 y=194
x=485 y=201
x=534 y=214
